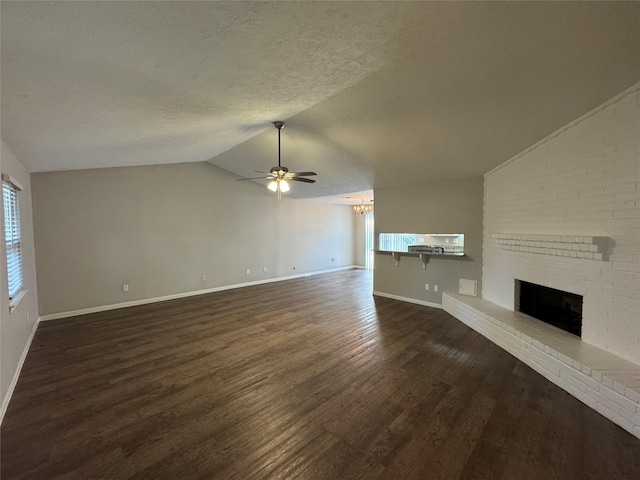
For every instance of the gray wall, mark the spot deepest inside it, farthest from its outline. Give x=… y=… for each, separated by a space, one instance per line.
x=17 y=328
x=160 y=228
x=442 y=207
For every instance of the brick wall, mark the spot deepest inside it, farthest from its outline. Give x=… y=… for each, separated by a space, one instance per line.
x=583 y=180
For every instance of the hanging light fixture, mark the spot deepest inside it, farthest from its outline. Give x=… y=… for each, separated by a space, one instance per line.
x=280 y=176
x=363 y=209
x=279 y=186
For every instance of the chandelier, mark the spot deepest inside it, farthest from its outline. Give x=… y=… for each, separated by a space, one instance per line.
x=363 y=209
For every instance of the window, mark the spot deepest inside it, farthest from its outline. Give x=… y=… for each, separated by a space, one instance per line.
x=397 y=242
x=368 y=241
x=10 y=189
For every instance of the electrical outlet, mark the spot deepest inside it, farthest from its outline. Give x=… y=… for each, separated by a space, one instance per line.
x=264 y=269
x=125 y=287
x=248 y=271
x=426 y=286
x=203 y=278
x=435 y=288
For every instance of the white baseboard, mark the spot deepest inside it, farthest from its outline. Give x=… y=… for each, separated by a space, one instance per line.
x=16 y=374
x=104 y=308
x=407 y=299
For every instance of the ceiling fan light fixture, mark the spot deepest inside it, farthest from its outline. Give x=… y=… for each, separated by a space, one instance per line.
x=280 y=176
x=279 y=186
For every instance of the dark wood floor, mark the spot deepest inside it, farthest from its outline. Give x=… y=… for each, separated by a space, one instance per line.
x=310 y=379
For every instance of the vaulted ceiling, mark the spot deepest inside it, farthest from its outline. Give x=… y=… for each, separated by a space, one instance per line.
x=375 y=94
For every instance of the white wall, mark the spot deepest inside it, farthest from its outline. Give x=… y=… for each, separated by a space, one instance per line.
x=160 y=228
x=17 y=328
x=358 y=239
x=439 y=207
x=582 y=180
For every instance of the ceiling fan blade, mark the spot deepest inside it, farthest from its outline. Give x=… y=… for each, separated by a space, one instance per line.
x=301 y=174
x=253 y=178
x=301 y=179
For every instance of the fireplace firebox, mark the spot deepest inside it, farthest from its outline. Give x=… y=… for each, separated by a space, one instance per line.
x=555 y=307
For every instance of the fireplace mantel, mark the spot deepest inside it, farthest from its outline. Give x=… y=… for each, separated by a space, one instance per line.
x=574 y=246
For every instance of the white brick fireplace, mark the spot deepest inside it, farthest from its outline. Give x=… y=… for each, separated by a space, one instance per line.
x=581 y=182
x=565 y=214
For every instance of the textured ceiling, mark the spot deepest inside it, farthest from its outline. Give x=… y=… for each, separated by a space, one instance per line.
x=375 y=94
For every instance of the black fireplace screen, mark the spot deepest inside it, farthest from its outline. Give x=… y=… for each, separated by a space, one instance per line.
x=558 y=308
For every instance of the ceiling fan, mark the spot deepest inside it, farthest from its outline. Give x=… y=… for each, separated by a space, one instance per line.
x=280 y=175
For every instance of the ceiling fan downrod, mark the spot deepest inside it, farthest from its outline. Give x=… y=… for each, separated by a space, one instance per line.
x=279 y=125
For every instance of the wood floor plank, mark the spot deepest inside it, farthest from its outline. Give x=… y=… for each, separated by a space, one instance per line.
x=310 y=378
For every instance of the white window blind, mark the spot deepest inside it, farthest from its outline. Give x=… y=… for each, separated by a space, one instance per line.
x=12 y=237
x=397 y=242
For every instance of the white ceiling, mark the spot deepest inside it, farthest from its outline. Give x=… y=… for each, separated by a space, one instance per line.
x=375 y=94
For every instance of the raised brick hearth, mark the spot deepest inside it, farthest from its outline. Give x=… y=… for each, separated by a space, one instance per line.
x=607 y=383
